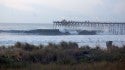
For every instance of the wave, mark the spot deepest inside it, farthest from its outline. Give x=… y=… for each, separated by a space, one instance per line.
x=50 y=32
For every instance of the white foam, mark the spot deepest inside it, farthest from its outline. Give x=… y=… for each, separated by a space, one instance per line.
x=91 y=40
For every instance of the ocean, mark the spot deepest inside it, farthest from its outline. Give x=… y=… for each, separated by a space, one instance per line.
x=25 y=26
x=10 y=33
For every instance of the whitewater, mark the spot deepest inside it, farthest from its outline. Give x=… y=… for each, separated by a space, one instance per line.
x=90 y=40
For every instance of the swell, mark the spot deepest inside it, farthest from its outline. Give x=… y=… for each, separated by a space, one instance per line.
x=49 y=32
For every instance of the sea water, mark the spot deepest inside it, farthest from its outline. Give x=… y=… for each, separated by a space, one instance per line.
x=90 y=40
x=25 y=26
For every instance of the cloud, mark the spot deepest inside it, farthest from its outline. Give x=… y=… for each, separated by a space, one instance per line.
x=62 y=8
x=17 y=4
x=119 y=8
x=85 y=6
x=68 y=5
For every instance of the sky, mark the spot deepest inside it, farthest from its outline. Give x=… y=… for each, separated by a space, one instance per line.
x=47 y=11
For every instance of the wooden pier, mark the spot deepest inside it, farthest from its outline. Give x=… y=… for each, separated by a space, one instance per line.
x=113 y=28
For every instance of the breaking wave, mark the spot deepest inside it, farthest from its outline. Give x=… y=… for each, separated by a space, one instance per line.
x=50 y=32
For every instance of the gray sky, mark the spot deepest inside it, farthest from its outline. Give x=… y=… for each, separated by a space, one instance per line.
x=45 y=11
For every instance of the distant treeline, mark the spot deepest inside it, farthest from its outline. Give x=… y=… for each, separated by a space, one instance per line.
x=62 y=53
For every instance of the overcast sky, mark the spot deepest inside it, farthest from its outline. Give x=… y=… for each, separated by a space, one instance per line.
x=45 y=11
